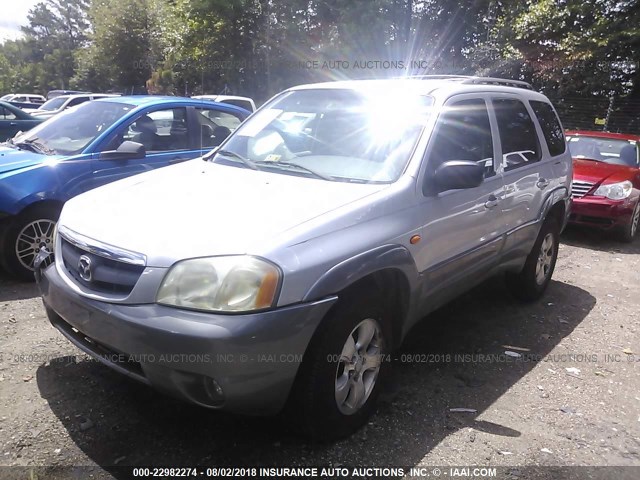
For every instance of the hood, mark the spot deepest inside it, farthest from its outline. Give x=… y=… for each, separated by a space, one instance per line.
x=601 y=172
x=199 y=208
x=15 y=159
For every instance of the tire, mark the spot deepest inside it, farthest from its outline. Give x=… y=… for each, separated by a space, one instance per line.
x=333 y=397
x=24 y=237
x=628 y=232
x=531 y=282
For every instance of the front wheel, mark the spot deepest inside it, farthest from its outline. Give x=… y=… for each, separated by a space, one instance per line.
x=530 y=283
x=629 y=232
x=341 y=375
x=25 y=236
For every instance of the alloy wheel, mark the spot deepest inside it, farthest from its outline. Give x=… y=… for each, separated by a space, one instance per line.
x=545 y=259
x=31 y=238
x=359 y=366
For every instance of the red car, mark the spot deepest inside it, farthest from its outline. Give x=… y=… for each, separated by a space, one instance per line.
x=606 y=181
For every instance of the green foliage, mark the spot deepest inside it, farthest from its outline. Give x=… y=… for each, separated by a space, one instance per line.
x=127 y=43
x=258 y=47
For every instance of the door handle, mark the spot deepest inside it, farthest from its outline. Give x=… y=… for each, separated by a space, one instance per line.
x=13 y=124
x=542 y=183
x=492 y=202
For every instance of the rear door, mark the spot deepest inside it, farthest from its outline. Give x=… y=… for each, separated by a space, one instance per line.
x=526 y=168
x=462 y=229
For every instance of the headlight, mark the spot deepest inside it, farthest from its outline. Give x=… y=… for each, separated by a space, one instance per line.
x=615 y=191
x=223 y=284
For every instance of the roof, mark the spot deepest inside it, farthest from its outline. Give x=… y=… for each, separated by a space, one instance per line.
x=143 y=100
x=432 y=85
x=611 y=135
x=78 y=95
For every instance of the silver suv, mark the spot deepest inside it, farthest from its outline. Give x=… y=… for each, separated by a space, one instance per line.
x=282 y=268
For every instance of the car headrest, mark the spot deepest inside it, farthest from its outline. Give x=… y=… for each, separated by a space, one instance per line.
x=629 y=155
x=145 y=124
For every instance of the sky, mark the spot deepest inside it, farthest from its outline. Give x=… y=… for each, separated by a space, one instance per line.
x=14 y=15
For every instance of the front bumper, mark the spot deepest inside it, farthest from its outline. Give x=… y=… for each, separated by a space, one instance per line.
x=603 y=213
x=253 y=358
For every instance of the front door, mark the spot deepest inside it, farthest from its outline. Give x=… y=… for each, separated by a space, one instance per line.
x=165 y=136
x=463 y=229
x=528 y=173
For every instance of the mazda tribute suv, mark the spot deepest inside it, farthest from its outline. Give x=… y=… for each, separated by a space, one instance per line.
x=276 y=272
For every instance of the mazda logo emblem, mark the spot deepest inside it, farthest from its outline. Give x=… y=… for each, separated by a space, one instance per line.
x=84 y=268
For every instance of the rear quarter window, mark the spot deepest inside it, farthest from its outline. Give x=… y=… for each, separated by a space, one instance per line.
x=550 y=125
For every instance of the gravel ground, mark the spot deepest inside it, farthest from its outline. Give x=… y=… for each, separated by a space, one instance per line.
x=572 y=398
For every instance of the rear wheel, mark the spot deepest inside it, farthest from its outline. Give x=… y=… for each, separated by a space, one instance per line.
x=340 y=379
x=531 y=282
x=629 y=232
x=25 y=236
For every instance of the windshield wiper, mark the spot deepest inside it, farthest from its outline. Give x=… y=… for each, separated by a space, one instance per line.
x=229 y=153
x=300 y=167
x=35 y=146
x=258 y=165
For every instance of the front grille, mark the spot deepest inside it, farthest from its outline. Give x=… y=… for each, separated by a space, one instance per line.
x=107 y=275
x=580 y=189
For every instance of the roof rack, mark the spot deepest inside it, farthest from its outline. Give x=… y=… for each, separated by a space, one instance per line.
x=498 y=81
x=437 y=77
x=467 y=79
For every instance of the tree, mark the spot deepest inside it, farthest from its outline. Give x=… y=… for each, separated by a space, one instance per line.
x=56 y=29
x=126 y=45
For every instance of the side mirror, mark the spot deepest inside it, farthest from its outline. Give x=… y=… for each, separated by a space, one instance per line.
x=458 y=174
x=126 y=151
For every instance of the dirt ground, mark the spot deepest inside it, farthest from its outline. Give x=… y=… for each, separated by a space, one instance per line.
x=572 y=398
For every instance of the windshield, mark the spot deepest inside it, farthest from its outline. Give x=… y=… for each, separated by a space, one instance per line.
x=6 y=97
x=334 y=134
x=608 y=150
x=53 y=104
x=72 y=130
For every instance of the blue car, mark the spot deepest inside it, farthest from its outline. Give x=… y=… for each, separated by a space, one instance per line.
x=88 y=146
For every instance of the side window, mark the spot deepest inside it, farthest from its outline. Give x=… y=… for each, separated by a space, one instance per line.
x=6 y=114
x=518 y=136
x=553 y=134
x=464 y=133
x=239 y=103
x=158 y=131
x=77 y=101
x=215 y=126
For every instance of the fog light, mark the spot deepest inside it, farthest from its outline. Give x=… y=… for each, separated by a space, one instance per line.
x=214 y=391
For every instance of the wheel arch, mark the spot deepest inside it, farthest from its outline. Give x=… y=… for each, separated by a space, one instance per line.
x=41 y=204
x=390 y=269
x=557 y=206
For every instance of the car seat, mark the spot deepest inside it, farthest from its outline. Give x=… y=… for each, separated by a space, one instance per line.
x=219 y=134
x=629 y=156
x=147 y=135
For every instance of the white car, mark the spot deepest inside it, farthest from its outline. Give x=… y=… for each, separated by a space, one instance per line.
x=58 y=104
x=23 y=98
x=242 y=102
